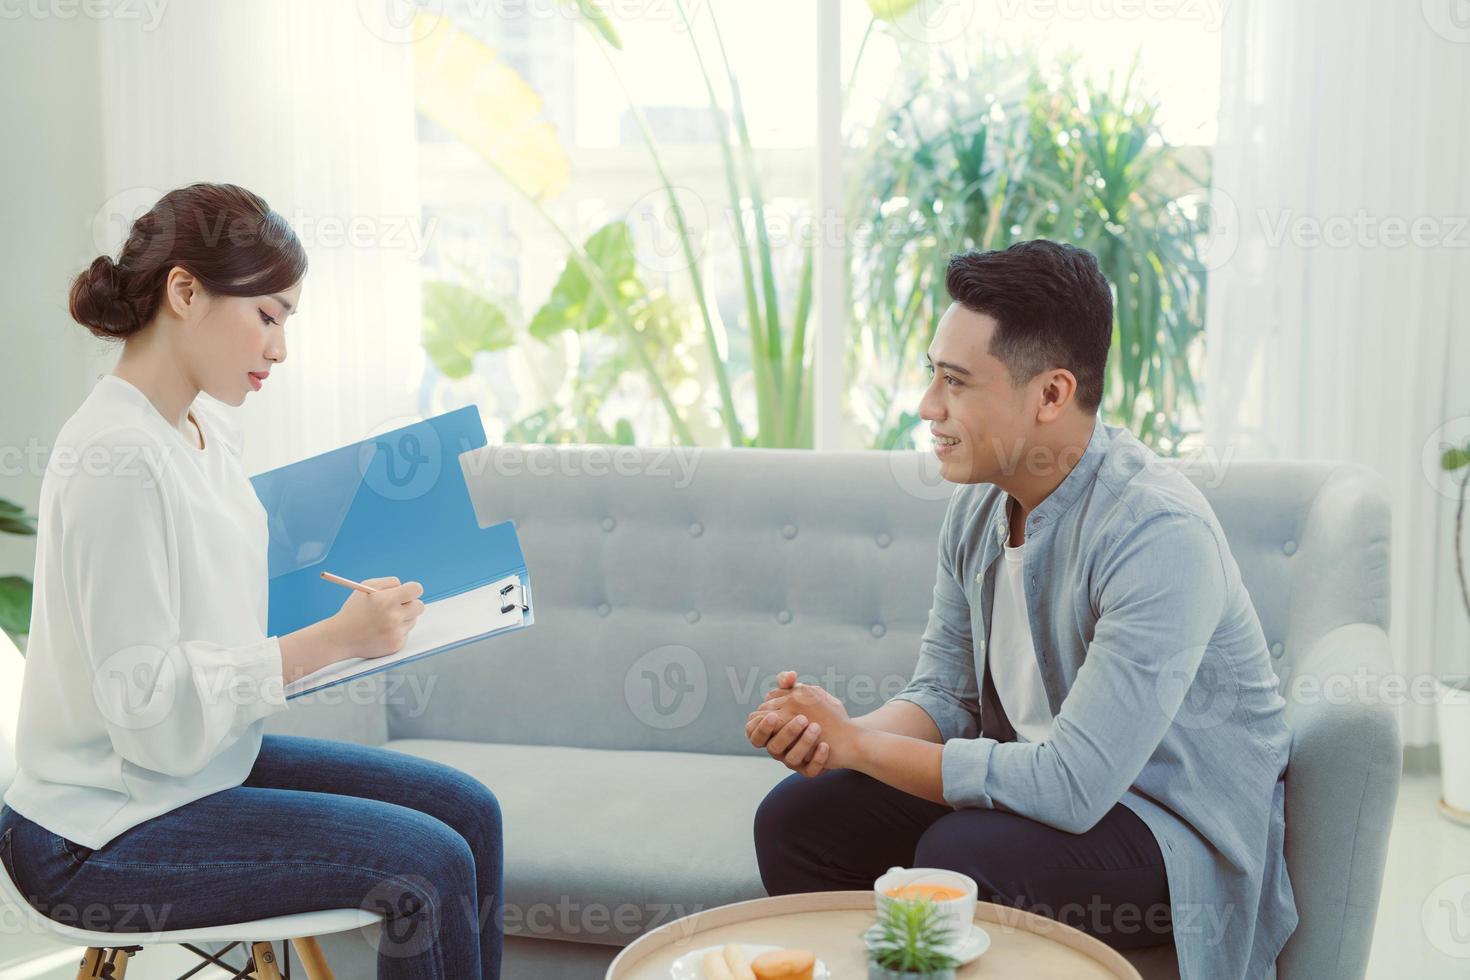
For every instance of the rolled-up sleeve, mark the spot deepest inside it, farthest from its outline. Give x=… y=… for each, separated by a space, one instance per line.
x=170 y=702
x=1161 y=593
x=944 y=683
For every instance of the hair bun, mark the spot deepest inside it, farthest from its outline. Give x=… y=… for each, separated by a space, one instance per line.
x=99 y=300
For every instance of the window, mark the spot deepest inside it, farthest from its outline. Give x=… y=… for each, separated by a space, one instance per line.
x=563 y=297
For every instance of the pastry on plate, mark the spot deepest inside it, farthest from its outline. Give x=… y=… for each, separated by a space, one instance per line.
x=784 y=964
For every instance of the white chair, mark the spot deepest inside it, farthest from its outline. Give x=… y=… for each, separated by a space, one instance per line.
x=107 y=954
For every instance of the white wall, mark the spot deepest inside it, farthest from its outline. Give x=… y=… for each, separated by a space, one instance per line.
x=50 y=187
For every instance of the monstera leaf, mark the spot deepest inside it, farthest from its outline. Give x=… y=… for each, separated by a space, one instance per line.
x=574 y=304
x=459 y=323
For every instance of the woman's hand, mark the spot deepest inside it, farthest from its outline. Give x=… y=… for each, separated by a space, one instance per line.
x=377 y=625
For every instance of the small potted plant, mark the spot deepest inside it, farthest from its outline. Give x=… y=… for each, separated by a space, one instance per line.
x=1454 y=690
x=910 y=942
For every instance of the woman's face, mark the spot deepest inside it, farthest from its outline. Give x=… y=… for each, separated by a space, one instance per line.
x=238 y=340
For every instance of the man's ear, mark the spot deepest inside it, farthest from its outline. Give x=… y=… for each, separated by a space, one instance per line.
x=181 y=292
x=1058 y=389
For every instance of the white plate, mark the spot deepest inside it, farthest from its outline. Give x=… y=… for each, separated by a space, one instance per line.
x=690 y=966
x=967 y=950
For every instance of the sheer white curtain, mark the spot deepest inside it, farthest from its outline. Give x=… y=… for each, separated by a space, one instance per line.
x=1339 y=319
x=309 y=105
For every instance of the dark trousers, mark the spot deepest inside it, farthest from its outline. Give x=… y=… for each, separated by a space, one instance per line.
x=842 y=830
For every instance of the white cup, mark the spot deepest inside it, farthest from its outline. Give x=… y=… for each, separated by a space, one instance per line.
x=958 y=914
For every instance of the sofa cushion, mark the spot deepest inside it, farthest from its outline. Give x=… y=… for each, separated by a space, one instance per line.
x=602 y=845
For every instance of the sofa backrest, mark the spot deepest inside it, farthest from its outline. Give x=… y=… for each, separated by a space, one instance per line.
x=671 y=585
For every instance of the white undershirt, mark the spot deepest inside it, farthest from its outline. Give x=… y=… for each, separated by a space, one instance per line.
x=148 y=669
x=1013 y=666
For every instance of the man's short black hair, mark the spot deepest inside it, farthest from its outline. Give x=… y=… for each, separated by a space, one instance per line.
x=1052 y=308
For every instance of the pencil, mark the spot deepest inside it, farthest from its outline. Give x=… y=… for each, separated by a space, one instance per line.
x=349 y=583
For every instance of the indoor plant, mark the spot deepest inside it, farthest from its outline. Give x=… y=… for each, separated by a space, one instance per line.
x=15 y=590
x=455 y=74
x=1454 y=692
x=910 y=941
x=981 y=154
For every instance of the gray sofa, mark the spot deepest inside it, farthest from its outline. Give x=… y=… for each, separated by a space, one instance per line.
x=670 y=587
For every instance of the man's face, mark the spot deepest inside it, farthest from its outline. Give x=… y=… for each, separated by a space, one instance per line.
x=970 y=399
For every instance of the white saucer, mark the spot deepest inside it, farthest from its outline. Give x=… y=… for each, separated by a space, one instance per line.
x=690 y=966
x=967 y=950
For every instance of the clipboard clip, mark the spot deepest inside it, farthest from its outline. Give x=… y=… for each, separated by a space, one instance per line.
x=510 y=597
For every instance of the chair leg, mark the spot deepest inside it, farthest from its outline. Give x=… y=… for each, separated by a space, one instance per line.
x=310 y=955
x=111 y=964
x=91 y=965
x=263 y=955
x=115 y=964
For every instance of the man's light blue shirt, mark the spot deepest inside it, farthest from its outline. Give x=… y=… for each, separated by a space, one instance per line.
x=1157 y=671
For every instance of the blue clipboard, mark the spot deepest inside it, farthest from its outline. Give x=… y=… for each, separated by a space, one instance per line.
x=393 y=504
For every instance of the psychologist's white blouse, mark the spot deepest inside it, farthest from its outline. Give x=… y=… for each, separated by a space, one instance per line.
x=148 y=669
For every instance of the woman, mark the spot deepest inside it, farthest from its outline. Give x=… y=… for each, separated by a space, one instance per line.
x=147 y=796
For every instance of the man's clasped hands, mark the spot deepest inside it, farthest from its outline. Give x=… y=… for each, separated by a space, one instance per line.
x=803 y=726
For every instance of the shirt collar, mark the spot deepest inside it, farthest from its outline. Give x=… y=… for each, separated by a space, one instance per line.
x=1077 y=480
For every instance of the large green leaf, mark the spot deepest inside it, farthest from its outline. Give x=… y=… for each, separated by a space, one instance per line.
x=15 y=604
x=17 y=524
x=14 y=519
x=574 y=304
x=459 y=323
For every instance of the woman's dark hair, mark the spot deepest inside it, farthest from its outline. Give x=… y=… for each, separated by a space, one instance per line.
x=223 y=235
x=1052 y=308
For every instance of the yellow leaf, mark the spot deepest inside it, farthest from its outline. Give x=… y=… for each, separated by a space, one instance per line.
x=462 y=85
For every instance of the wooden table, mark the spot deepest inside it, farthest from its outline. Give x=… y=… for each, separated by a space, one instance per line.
x=1023 y=946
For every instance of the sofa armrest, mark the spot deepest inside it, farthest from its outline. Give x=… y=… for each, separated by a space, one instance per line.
x=1341 y=785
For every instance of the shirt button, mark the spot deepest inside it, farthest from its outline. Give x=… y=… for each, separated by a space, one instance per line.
x=696 y=529
x=783 y=617
x=604 y=609
x=788 y=532
x=884 y=540
x=878 y=630
x=980 y=577
x=608 y=523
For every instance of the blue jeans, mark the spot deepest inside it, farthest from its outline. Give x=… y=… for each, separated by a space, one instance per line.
x=317 y=825
x=844 y=829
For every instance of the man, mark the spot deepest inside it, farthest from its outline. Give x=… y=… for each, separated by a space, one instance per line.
x=1093 y=729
